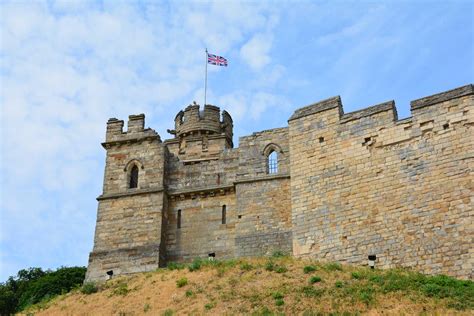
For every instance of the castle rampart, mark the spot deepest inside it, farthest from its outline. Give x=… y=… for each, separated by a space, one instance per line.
x=330 y=186
x=401 y=190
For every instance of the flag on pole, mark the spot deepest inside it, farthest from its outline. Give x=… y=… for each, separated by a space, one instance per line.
x=216 y=60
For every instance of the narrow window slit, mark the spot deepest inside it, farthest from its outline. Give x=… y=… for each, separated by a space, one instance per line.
x=224 y=214
x=133 y=177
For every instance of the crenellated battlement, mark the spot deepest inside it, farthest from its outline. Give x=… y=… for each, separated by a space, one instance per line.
x=419 y=107
x=136 y=131
x=192 y=121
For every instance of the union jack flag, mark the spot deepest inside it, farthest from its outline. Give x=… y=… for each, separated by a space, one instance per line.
x=216 y=60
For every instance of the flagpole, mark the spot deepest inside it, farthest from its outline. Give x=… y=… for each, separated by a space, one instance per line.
x=205 y=83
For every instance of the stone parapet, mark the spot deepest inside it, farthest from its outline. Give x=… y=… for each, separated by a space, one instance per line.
x=442 y=97
x=135 y=132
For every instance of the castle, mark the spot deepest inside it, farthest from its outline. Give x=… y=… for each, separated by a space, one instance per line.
x=330 y=186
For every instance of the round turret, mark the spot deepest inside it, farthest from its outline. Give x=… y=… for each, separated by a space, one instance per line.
x=193 y=121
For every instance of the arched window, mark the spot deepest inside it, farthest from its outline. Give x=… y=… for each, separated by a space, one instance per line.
x=224 y=214
x=272 y=162
x=178 y=220
x=134 y=177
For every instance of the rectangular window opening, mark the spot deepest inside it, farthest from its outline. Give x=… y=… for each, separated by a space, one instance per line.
x=178 y=220
x=224 y=214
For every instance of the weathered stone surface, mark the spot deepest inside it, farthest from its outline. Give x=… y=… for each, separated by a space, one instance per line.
x=347 y=186
x=400 y=190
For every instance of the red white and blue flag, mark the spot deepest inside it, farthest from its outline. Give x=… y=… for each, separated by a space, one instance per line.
x=216 y=60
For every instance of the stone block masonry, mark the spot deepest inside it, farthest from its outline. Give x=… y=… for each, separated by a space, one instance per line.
x=401 y=190
x=331 y=186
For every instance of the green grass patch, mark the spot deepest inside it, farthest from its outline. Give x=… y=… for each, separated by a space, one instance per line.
x=270 y=265
x=210 y=306
x=281 y=269
x=309 y=269
x=175 y=266
x=310 y=291
x=277 y=295
x=263 y=311
x=89 y=288
x=181 y=282
x=168 y=312
x=333 y=266
x=195 y=265
x=315 y=279
x=121 y=289
x=146 y=307
x=279 y=254
x=279 y=302
x=246 y=266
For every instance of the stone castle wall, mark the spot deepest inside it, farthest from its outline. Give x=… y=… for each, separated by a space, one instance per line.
x=347 y=186
x=364 y=183
x=263 y=200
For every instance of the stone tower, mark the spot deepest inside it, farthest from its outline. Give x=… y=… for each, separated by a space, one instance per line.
x=201 y=134
x=129 y=219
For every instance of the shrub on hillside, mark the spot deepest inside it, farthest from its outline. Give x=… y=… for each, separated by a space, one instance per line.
x=89 y=288
x=175 y=266
x=195 y=265
x=309 y=269
x=34 y=285
x=181 y=282
x=314 y=279
x=333 y=266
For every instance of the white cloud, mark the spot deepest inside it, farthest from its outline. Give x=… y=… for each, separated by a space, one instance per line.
x=256 y=52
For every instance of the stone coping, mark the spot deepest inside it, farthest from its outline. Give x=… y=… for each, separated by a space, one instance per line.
x=264 y=178
x=130 y=192
x=266 y=131
x=200 y=189
x=442 y=97
x=382 y=107
x=131 y=140
x=331 y=103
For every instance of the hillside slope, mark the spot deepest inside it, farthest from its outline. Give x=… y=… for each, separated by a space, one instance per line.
x=265 y=286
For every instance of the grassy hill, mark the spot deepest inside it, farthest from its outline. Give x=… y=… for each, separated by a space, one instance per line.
x=266 y=286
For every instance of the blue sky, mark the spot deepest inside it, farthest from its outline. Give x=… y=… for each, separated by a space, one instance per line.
x=68 y=66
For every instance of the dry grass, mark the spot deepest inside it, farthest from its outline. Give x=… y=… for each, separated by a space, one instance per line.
x=249 y=286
